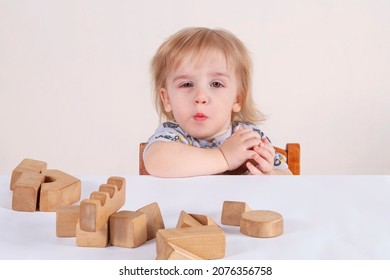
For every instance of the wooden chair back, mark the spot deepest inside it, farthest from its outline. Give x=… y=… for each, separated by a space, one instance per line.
x=292 y=154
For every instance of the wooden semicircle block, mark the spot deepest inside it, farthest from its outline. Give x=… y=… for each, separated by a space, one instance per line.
x=261 y=223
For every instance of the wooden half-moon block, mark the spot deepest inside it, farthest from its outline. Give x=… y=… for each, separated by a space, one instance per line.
x=26 y=192
x=27 y=165
x=205 y=242
x=154 y=219
x=67 y=218
x=95 y=211
x=231 y=212
x=128 y=229
x=261 y=223
x=59 y=189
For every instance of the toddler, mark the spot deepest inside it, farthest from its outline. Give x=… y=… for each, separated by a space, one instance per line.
x=202 y=88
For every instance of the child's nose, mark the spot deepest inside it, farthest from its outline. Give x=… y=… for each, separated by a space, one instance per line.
x=201 y=97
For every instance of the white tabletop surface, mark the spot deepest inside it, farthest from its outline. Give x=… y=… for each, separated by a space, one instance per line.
x=325 y=217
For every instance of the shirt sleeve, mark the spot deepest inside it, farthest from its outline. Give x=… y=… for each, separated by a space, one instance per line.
x=167 y=132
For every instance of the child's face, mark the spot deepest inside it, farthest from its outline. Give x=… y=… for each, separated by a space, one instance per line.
x=202 y=94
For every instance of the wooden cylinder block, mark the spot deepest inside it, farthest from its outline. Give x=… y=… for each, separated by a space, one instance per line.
x=261 y=223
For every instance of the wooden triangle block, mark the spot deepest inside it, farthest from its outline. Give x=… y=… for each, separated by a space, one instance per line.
x=26 y=192
x=154 y=219
x=95 y=211
x=231 y=212
x=192 y=220
x=58 y=189
x=27 y=165
x=205 y=242
x=177 y=253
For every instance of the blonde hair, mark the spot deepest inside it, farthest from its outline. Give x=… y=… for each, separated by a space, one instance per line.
x=198 y=40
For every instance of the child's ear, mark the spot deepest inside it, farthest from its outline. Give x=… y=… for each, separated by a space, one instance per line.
x=237 y=104
x=165 y=99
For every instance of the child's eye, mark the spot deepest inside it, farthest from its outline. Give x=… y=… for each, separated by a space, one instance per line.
x=186 y=85
x=216 y=84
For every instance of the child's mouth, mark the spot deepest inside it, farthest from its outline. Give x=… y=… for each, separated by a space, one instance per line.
x=200 y=117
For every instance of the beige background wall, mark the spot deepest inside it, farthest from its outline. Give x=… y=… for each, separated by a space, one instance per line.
x=75 y=88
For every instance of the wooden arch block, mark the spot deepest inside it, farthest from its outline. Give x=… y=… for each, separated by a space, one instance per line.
x=154 y=219
x=205 y=242
x=261 y=223
x=231 y=212
x=26 y=191
x=27 y=166
x=192 y=220
x=95 y=211
x=58 y=189
x=128 y=229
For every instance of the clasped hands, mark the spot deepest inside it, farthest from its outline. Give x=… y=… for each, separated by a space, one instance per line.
x=246 y=144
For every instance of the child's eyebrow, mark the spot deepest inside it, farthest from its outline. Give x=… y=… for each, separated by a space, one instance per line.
x=218 y=74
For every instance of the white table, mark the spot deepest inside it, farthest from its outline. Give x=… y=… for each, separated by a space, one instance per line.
x=325 y=217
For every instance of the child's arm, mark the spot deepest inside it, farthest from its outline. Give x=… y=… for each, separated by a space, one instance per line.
x=173 y=159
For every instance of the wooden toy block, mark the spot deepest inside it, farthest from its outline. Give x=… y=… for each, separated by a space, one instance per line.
x=95 y=211
x=120 y=182
x=192 y=220
x=231 y=212
x=154 y=219
x=27 y=165
x=67 y=218
x=261 y=223
x=176 y=253
x=26 y=191
x=205 y=242
x=98 y=238
x=128 y=229
x=58 y=189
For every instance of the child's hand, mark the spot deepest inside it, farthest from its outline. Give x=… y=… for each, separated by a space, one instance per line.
x=238 y=147
x=265 y=156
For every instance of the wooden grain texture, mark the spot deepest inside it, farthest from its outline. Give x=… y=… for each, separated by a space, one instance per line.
x=58 y=189
x=25 y=196
x=67 y=218
x=98 y=238
x=205 y=242
x=95 y=211
x=27 y=165
x=231 y=212
x=128 y=229
x=261 y=223
x=192 y=220
x=154 y=219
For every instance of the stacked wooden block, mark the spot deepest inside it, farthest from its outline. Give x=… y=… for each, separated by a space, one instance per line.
x=37 y=188
x=98 y=221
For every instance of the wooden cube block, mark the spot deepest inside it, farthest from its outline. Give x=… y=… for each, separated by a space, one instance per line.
x=27 y=165
x=231 y=212
x=128 y=229
x=98 y=238
x=205 y=242
x=26 y=191
x=67 y=218
x=154 y=218
x=59 y=189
